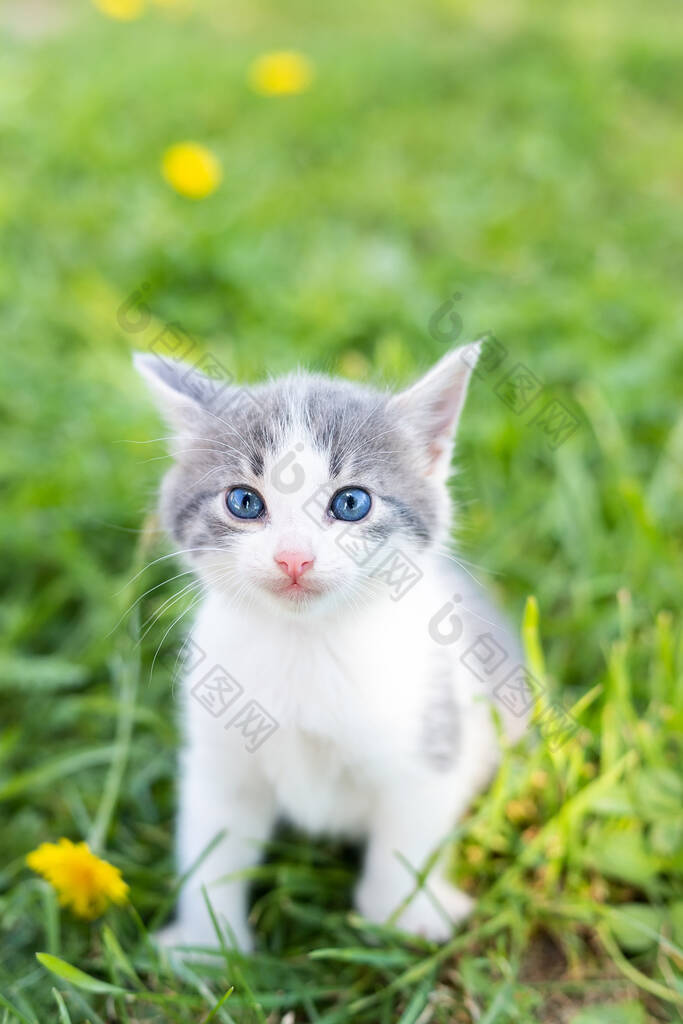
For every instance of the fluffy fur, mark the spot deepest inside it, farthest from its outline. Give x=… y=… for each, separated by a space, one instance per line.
x=380 y=728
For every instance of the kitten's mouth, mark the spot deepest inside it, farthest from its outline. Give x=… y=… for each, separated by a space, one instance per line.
x=296 y=591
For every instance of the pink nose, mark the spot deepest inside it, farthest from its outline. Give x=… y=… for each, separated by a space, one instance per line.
x=294 y=563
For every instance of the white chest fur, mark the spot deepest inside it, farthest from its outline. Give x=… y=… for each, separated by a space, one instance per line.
x=347 y=702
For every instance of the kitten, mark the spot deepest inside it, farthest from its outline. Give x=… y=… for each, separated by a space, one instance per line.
x=341 y=666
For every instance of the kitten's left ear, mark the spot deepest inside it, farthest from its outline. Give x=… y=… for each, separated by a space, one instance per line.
x=431 y=408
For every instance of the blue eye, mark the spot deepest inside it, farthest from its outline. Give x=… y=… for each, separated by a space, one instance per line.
x=351 y=504
x=245 y=504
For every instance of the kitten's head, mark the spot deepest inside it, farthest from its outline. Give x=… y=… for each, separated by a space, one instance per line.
x=291 y=493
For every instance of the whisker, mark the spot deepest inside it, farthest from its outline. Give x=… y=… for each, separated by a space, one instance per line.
x=171 y=554
x=174 y=623
x=157 y=614
x=140 y=598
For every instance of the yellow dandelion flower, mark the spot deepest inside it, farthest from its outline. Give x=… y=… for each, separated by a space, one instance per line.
x=122 y=10
x=84 y=882
x=283 y=73
x=191 y=169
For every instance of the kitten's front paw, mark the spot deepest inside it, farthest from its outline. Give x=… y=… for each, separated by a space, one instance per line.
x=422 y=916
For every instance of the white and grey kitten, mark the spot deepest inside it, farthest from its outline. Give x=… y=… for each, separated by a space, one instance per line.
x=331 y=678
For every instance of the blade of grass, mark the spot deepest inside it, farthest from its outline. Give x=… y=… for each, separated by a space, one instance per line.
x=55 y=769
x=61 y=1006
x=223 y=999
x=126 y=671
x=17 y=1013
x=633 y=974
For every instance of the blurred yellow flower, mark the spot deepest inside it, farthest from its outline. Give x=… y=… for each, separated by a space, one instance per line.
x=283 y=73
x=191 y=169
x=123 y=10
x=179 y=6
x=520 y=810
x=83 y=881
x=354 y=365
x=539 y=779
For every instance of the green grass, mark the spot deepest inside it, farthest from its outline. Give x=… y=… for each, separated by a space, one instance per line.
x=529 y=157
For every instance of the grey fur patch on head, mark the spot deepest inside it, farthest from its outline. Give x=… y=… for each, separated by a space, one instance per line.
x=225 y=435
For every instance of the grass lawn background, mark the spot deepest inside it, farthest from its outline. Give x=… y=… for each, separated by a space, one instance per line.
x=527 y=156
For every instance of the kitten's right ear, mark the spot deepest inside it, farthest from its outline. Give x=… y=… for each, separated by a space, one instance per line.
x=174 y=387
x=431 y=407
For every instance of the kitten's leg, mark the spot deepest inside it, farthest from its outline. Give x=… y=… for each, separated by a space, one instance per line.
x=412 y=821
x=215 y=795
